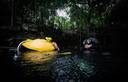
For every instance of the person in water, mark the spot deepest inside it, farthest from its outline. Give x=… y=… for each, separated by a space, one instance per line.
x=90 y=43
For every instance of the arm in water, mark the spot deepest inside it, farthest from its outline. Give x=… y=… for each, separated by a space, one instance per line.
x=16 y=56
x=55 y=45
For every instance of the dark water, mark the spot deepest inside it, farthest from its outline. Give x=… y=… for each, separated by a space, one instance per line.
x=78 y=67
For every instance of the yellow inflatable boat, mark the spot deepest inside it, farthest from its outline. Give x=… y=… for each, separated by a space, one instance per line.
x=39 y=45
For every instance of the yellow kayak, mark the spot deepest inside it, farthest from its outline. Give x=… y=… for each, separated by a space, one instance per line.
x=39 y=45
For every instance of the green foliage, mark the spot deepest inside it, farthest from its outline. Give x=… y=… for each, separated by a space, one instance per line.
x=82 y=13
x=63 y=23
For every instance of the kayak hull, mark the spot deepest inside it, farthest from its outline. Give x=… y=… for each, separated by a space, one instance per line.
x=39 y=45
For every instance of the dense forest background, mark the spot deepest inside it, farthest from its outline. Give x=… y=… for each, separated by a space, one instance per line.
x=69 y=22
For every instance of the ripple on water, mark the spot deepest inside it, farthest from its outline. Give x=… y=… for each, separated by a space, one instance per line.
x=72 y=68
x=61 y=69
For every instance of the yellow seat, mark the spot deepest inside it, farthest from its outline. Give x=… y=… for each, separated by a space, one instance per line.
x=39 y=45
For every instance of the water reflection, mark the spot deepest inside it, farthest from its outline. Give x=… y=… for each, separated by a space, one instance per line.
x=75 y=68
x=33 y=65
x=38 y=57
x=72 y=68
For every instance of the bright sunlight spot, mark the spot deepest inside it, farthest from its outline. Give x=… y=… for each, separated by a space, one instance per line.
x=63 y=12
